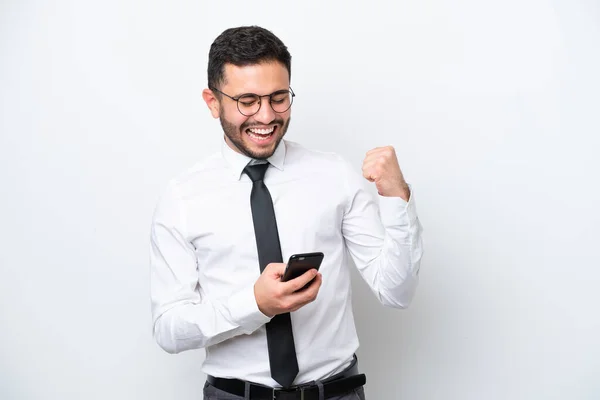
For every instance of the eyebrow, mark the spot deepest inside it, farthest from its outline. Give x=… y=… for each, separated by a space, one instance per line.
x=248 y=93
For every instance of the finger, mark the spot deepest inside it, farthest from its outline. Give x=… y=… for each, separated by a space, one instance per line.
x=387 y=152
x=368 y=176
x=309 y=294
x=299 y=282
x=373 y=172
x=376 y=150
x=275 y=269
x=314 y=286
x=373 y=156
x=374 y=161
x=381 y=155
x=370 y=164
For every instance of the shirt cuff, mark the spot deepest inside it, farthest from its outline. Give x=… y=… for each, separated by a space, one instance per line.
x=395 y=211
x=244 y=310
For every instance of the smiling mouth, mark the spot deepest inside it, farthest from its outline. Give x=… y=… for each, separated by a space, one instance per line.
x=261 y=133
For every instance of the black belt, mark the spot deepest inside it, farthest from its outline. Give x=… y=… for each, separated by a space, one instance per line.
x=337 y=385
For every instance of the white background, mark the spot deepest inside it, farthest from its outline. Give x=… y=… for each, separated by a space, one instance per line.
x=493 y=108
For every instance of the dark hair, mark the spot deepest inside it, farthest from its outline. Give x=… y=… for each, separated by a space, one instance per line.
x=245 y=45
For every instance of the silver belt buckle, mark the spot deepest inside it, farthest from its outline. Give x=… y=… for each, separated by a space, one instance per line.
x=275 y=390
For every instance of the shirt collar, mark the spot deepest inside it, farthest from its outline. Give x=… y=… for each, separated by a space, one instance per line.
x=237 y=162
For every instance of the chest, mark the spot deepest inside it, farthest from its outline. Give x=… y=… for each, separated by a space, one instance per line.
x=309 y=214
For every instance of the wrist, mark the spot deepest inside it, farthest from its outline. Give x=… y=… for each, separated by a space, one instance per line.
x=260 y=304
x=244 y=311
x=403 y=191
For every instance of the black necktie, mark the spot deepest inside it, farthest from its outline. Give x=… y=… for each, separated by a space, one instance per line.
x=280 y=338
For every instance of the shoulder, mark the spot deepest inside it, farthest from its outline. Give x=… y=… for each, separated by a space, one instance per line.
x=297 y=154
x=327 y=168
x=195 y=176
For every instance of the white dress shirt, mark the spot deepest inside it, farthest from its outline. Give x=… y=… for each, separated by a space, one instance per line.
x=204 y=260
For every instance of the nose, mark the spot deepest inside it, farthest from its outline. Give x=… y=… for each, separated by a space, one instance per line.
x=265 y=114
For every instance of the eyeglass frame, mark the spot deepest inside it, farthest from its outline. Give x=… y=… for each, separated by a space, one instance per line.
x=270 y=96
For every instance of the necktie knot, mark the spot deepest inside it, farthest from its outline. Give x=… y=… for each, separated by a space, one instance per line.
x=256 y=172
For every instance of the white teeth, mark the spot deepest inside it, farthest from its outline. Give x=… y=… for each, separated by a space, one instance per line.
x=262 y=131
x=258 y=137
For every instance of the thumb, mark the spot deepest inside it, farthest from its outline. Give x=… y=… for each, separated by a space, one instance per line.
x=275 y=270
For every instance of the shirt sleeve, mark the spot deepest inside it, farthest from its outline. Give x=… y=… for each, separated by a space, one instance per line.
x=182 y=319
x=384 y=238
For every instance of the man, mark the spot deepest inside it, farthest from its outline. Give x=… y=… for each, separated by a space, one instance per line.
x=222 y=230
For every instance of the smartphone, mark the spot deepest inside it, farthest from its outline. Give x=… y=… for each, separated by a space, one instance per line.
x=298 y=264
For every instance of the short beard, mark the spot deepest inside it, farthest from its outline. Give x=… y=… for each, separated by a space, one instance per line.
x=234 y=133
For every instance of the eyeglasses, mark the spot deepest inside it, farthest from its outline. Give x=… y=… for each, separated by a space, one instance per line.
x=249 y=104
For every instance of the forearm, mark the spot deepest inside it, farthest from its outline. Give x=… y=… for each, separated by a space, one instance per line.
x=183 y=319
x=395 y=274
x=400 y=259
x=191 y=325
x=386 y=251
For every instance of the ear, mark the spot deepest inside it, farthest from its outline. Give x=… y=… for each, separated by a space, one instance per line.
x=212 y=102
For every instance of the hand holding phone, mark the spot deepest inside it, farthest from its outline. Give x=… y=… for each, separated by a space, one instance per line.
x=276 y=297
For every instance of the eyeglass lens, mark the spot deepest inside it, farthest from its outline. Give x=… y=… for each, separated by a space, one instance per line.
x=281 y=101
